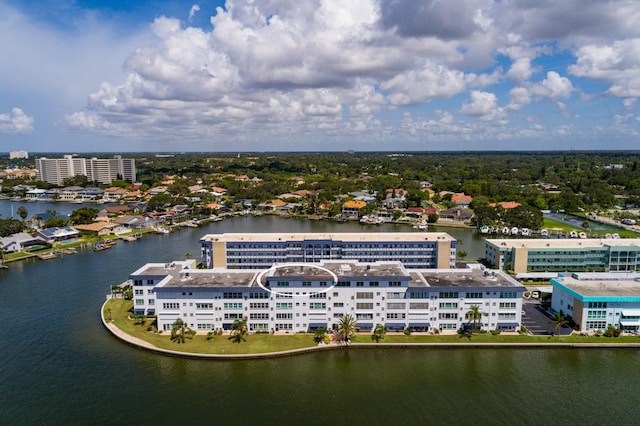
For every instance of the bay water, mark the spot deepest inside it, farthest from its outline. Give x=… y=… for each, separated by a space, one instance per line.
x=59 y=366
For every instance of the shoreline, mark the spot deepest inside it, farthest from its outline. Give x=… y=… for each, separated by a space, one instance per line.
x=144 y=345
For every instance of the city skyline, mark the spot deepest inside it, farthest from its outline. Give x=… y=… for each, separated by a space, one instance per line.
x=385 y=75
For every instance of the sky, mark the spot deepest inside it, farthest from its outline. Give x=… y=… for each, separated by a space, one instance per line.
x=319 y=75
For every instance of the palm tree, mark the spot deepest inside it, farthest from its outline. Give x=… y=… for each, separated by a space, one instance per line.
x=379 y=332
x=558 y=320
x=318 y=337
x=474 y=314
x=346 y=329
x=22 y=212
x=239 y=329
x=181 y=331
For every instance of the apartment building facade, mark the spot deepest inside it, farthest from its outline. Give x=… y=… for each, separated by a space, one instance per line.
x=569 y=254
x=102 y=170
x=423 y=250
x=302 y=297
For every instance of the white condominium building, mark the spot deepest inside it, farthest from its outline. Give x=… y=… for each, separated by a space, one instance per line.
x=259 y=251
x=101 y=170
x=303 y=297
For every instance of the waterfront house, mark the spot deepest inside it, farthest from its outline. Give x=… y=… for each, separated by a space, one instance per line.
x=97 y=228
x=352 y=208
x=56 y=234
x=18 y=242
x=462 y=200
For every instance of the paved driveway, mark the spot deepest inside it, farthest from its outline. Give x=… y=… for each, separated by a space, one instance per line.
x=537 y=321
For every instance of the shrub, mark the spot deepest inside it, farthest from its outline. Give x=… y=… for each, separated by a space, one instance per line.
x=407 y=331
x=495 y=332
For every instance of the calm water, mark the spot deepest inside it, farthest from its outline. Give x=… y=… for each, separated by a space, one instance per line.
x=59 y=366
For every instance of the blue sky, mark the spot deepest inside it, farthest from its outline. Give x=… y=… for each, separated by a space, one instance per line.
x=319 y=75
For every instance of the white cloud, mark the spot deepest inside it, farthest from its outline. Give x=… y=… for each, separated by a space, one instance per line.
x=520 y=70
x=195 y=8
x=483 y=105
x=617 y=63
x=553 y=87
x=16 y=122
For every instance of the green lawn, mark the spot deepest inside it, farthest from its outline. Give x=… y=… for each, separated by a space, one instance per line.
x=255 y=343
x=264 y=343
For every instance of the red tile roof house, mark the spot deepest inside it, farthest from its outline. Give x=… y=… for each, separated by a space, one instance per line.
x=352 y=208
x=506 y=204
x=461 y=199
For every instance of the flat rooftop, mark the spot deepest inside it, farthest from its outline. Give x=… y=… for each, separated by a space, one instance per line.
x=342 y=269
x=177 y=275
x=607 y=285
x=336 y=236
x=464 y=278
x=563 y=243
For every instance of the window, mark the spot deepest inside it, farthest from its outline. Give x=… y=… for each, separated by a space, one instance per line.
x=139 y=292
x=448 y=295
x=232 y=295
x=323 y=283
x=318 y=296
x=344 y=284
x=474 y=295
x=232 y=316
x=149 y=282
x=284 y=305
x=284 y=316
x=317 y=305
x=508 y=295
x=282 y=283
x=137 y=282
x=338 y=305
x=418 y=306
x=395 y=295
x=306 y=283
x=284 y=326
x=233 y=305
x=396 y=305
x=448 y=305
x=284 y=296
x=262 y=305
x=394 y=284
x=259 y=295
x=374 y=284
x=507 y=316
x=364 y=295
x=204 y=305
x=395 y=315
x=601 y=314
x=507 y=305
x=152 y=301
x=449 y=316
x=364 y=305
x=139 y=301
x=262 y=316
x=205 y=326
x=364 y=316
x=171 y=306
x=597 y=305
x=419 y=295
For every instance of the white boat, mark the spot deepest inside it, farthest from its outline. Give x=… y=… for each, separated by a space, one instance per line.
x=423 y=225
x=615 y=236
x=573 y=234
x=544 y=233
x=379 y=221
x=525 y=232
x=364 y=219
x=608 y=236
x=506 y=230
x=484 y=229
x=161 y=230
x=514 y=230
x=582 y=235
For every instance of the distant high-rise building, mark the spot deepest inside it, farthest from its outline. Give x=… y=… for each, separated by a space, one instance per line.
x=18 y=154
x=101 y=170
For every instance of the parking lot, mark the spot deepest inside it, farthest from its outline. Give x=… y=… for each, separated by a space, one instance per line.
x=537 y=321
